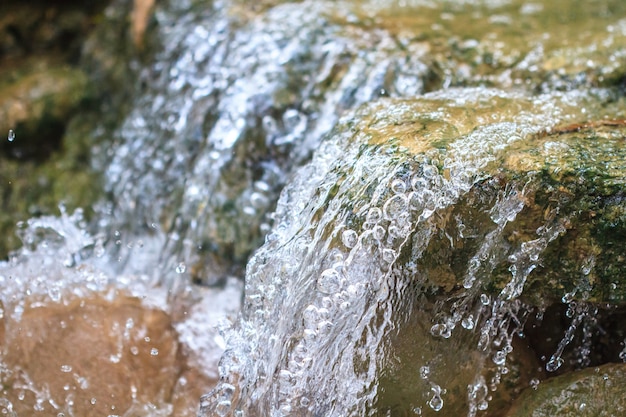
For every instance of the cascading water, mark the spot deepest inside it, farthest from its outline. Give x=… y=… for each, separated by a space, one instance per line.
x=349 y=256
x=395 y=273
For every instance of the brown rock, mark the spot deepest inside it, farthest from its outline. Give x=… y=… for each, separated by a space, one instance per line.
x=97 y=356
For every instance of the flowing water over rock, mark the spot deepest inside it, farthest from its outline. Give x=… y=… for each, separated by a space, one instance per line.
x=429 y=179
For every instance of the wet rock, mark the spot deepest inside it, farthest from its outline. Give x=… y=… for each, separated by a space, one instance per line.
x=597 y=391
x=415 y=207
x=37 y=106
x=40 y=26
x=97 y=355
x=568 y=177
x=415 y=371
x=543 y=47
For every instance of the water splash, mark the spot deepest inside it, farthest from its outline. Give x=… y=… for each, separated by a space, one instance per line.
x=334 y=260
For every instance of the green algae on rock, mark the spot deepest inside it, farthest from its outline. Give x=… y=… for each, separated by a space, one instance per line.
x=593 y=392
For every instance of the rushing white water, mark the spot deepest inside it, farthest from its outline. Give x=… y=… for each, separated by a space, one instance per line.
x=233 y=105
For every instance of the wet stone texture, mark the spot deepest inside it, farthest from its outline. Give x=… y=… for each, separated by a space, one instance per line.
x=597 y=391
x=105 y=354
x=450 y=227
x=448 y=222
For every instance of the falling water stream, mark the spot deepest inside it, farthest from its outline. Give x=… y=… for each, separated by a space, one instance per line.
x=309 y=192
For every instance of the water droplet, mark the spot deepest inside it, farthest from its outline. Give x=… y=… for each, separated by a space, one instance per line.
x=436 y=402
x=395 y=206
x=92 y=401
x=554 y=364
x=373 y=215
x=430 y=171
x=499 y=358
x=389 y=255
x=484 y=299
x=66 y=368
x=181 y=268
x=11 y=136
x=534 y=383
x=378 y=232
x=329 y=282
x=424 y=372
x=154 y=352
x=55 y=294
x=398 y=186
x=349 y=238
x=468 y=322
x=134 y=350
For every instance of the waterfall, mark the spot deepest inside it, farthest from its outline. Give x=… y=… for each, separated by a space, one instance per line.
x=345 y=209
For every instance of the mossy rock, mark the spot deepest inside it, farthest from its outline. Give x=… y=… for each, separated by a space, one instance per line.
x=515 y=185
x=593 y=392
x=543 y=46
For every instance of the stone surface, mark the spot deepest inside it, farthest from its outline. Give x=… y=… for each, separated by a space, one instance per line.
x=103 y=354
x=597 y=392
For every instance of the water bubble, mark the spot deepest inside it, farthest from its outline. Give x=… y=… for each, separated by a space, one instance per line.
x=484 y=299
x=436 y=402
x=349 y=238
x=389 y=255
x=441 y=330
x=378 y=232
x=568 y=297
x=499 y=358
x=374 y=215
x=415 y=201
x=430 y=171
x=310 y=315
x=329 y=282
x=55 y=294
x=395 y=206
x=398 y=186
x=181 y=268
x=468 y=322
x=66 y=368
x=154 y=352
x=418 y=183
x=534 y=383
x=92 y=401
x=424 y=372
x=259 y=201
x=11 y=136
x=324 y=327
